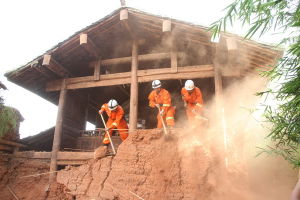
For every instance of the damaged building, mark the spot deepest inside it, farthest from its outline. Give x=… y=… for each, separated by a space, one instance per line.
x=118 y=57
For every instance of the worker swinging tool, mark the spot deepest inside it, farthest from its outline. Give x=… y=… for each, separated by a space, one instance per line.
x=161 y=99
x=115 y=120
x=193 y=102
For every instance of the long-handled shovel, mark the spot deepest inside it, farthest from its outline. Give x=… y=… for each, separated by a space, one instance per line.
x=198 y=116
x=163 y=122
x=107 y=132
x=167 y=135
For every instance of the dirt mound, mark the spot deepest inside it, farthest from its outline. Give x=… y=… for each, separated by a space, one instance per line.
x=16 y=176
x=146 y=165
x=191 y=166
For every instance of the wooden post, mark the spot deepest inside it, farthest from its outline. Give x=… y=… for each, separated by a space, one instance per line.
x=134 y=88
x=218 y=85
x=86 y=114
x=97 y=70
x=220 y=112
x=58 y=131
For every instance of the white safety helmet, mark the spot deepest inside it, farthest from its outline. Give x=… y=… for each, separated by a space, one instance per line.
x=112 y=104
x=189 y=85
x=156 y=84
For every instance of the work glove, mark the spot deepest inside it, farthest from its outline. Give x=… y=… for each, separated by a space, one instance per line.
x=107 y=129
x=184 y=104
x=157 y=105
x=162 y=112
x=100 y=112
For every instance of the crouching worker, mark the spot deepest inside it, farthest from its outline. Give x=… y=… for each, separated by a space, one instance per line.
x=115 y=120
x=193 y=102
x=160 y=98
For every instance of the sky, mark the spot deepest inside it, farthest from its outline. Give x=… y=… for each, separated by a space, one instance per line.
x=29 y=28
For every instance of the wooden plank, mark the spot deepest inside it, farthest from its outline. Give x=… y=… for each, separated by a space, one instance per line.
x=65 y=155
x=4 y=147
x=181 y=75
x=144 y=57
x=134 y=88
x=33 y=155
x=61 y=155
x=71 y=162
x=124 y=78
x=11 y=143
x=97 y=70
x=58 y=130
x=86 y=43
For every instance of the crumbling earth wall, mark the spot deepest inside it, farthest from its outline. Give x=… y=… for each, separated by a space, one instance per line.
x=148 y=165
x=15 y=177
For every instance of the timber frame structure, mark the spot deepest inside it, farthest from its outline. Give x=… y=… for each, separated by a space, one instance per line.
x=117 y=57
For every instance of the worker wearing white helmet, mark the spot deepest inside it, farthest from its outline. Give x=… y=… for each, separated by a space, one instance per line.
x=161 y=99
x=192 y=98
x=115 y=120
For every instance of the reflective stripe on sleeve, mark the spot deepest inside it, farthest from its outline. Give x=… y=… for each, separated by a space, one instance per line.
x=169 y=118
x=166 y=105
x=198 y=104
x=114 y=124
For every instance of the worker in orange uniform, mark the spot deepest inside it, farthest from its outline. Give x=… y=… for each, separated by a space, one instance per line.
x=161 y=99
x=115 y=120
x=193 y=102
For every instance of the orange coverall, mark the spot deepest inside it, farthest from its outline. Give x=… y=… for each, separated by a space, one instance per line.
x=194 y=103
x=162 y=98
x=115 y=121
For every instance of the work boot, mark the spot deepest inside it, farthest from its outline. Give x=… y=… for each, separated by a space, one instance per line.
x=171 y=130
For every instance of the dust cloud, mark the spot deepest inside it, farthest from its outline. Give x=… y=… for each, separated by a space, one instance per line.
x=230 y=140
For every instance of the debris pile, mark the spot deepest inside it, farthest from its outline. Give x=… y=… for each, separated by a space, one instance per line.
x=147 y=166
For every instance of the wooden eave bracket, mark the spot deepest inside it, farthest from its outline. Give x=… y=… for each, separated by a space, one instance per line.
x=55 y=67
x=89 y=45
x=166 y=26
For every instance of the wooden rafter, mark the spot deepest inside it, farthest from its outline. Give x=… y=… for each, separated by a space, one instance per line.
x=55 y=67
x=86 y=43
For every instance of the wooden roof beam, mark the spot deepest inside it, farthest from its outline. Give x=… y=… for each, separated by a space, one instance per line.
x=54 y=66
x=188 y=72
x=86 y=43
x=35 y=65
x=143 y=57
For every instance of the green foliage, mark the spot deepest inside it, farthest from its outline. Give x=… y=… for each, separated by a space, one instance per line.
x=278 y=16
x=8 y=120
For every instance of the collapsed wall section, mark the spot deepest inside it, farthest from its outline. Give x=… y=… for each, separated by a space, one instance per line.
x=148 y=165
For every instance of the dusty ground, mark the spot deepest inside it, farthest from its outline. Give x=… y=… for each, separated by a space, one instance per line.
x=187 y=167
x=28 y=188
